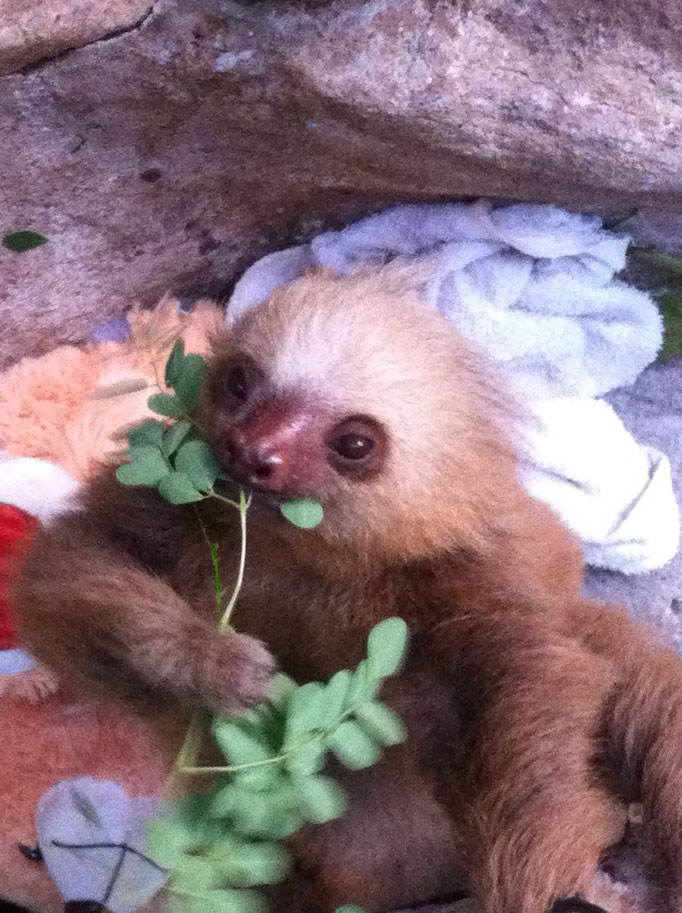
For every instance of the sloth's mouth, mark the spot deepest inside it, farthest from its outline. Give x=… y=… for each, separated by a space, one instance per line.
x=266 y=500
x=261 y=498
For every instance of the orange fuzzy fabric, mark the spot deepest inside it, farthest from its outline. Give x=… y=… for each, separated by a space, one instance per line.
x=51 y=407
x=54 y=407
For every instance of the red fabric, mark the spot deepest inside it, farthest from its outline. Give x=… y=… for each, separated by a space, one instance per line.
x=16 y=532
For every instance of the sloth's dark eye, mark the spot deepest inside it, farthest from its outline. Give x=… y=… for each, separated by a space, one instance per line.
x=238 y=383
x=353 y=446
x=356 y=446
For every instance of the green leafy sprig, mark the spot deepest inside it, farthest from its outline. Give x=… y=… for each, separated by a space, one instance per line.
x=221 y=845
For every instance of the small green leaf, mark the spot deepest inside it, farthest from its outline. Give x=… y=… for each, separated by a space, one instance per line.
x=174 y=436
x=21 y=241
x=146 y=467
x=178 y=489
x=281 y=690
x=305 y=712
x=127 y=475
x=167 y=843
x=198 y=462
x=196 y=875
x=258 y=779
x=306 y=759
x=363 y=687
x=381 y=723
x=174 y=363
x=178 y=830
x=187 y=384
x=226 y=800
x=257 y=719
x=264 y=721
x=353 y=747
x=239 y=746
x=321 y=799
x=349 y=908
x=247 y=863
x=150 y=432
x=273 y=815
x=166 y=404
x=336 y=694
x=303 y=512
x=386 y=646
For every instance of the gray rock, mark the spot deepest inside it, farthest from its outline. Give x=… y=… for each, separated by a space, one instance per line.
x=168 y=154
x=652 y=411
x=35 y=30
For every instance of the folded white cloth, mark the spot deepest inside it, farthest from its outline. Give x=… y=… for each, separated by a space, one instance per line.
x=615 y=494
x=535 y=287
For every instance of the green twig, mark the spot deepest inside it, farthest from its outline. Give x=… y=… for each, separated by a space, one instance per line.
x=320 y=735
x=192 y=742
x=244 y=504
x=217 y=582
x=189 y=751
x=214 y=494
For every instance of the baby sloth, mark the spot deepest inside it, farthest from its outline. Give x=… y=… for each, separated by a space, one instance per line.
x=533 y=715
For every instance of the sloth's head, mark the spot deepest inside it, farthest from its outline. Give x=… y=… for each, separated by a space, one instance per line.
x=352 y=392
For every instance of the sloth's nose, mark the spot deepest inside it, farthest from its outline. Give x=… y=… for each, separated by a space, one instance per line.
x=259 y=463
x=274 y=448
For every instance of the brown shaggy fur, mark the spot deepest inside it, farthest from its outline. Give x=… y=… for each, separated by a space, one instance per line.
x=532 y=715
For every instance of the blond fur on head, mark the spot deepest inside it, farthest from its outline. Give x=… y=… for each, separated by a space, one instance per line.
x=366 y=345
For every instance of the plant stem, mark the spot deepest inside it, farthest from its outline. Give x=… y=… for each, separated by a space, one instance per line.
x=214 y=494
x=217 y=582
x=188 y=752
x=180 y=892
x=191 y=771
x=206 y=771
x=192 y=742
x=243 y=507
x=276 y=759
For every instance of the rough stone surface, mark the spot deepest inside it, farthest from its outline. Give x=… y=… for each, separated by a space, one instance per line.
x=32 y=30
x=171 y=155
